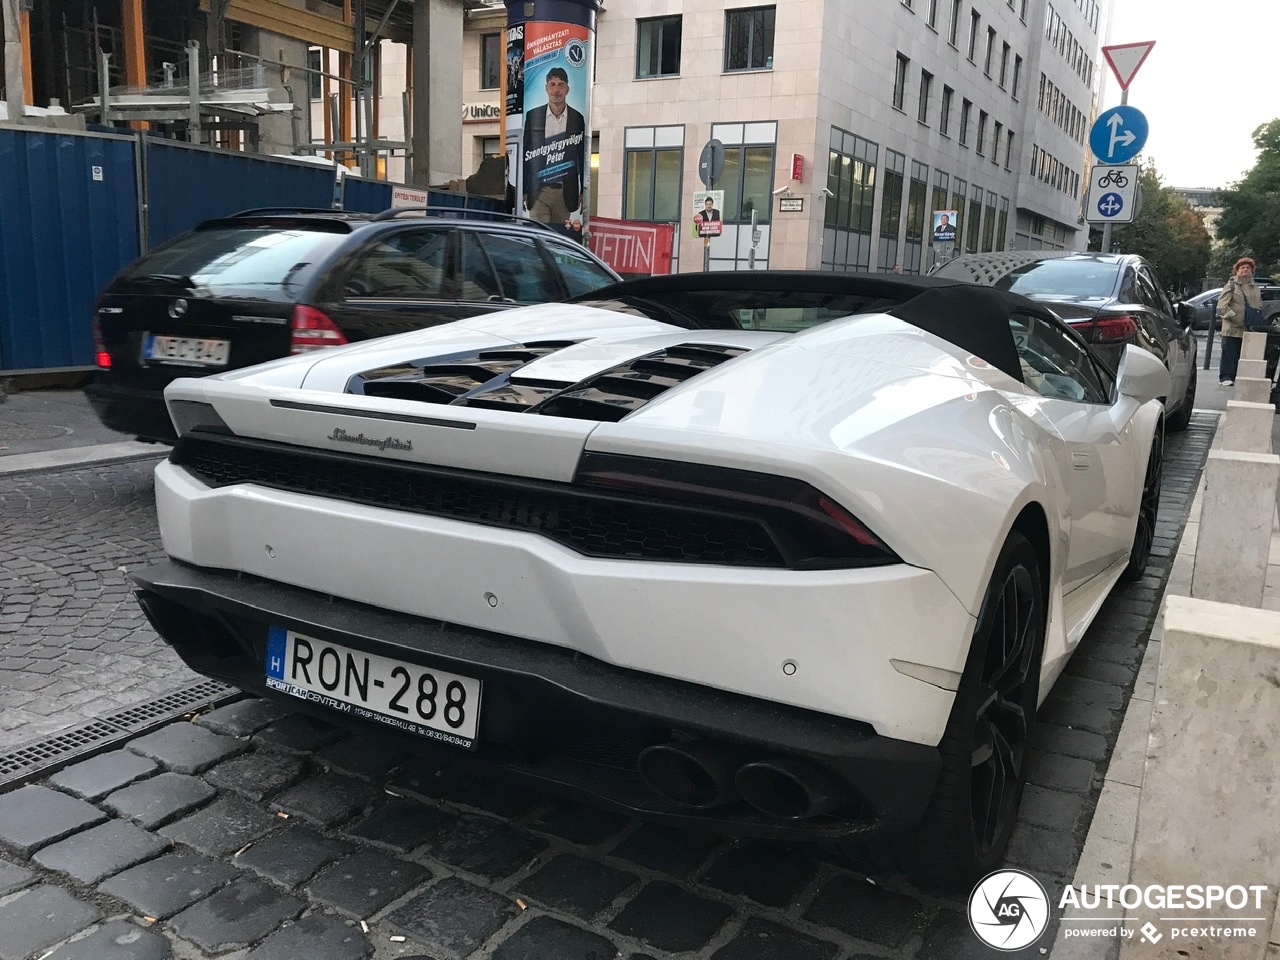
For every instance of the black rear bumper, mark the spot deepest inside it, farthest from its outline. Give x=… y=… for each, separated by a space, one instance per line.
x=559 y=721
x=136 y=410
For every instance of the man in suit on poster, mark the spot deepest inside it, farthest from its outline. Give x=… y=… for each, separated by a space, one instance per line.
x=554 y=148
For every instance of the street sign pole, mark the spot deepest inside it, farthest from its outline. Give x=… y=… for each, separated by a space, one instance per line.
x=706 y=241
x=1106 y=227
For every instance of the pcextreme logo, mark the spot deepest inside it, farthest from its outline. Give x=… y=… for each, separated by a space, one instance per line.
x=1008 y=910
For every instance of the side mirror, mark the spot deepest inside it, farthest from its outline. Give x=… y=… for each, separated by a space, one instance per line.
x=1143 y=375
x=1186 y=313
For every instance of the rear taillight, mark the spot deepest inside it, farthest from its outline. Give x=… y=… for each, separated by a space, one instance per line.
x=101 y=357
x=1108 y=329
x=311 y=329
x=810 y=529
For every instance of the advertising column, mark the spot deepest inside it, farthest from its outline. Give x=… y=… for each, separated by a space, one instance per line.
x=548 y=116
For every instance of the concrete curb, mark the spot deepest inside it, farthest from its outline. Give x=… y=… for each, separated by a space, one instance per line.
x=80 y=456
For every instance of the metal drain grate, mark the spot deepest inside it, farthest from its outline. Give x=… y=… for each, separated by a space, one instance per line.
x=171 y=705
x=37 y=760
x=50 y=750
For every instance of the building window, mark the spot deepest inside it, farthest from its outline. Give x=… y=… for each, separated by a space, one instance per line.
x=891 y=207
x=315 y=82
x=490 y=61
x=900 y=82
x=932 y=18
x=490 y=147
x=1017 y=75
x=944 y=122
x=847 y=219
x=995 y=142
x=917 y=197
x=658 y=47
x=975 y=24
x=1008 y=151
x=651 y=174
x=747 y=183
x=955 y=22
x=989 y=225
x=991 y=46
x=958 y=188
x=979 y=147
x=974 y=218
x=1004 y=64
x=748 y=39
x=965 y=109
x=926 y=85
x=1002 y=224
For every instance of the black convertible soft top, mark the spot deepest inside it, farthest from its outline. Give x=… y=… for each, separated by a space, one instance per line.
x=974 y=318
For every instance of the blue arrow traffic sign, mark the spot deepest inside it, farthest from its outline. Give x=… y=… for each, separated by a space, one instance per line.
x=1118 y=134
x=1110 y=204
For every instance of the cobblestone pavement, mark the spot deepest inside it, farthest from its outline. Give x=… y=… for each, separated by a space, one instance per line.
x=73 y=643
x=255 y=833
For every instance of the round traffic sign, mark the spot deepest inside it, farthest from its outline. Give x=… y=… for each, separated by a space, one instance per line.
x=1118 y=134
x=1110 y=204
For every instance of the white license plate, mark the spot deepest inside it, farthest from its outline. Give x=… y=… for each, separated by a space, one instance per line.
x=193 y=351
x=421 y=700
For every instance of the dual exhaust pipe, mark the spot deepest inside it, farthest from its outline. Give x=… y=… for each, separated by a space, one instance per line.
x=702 y=774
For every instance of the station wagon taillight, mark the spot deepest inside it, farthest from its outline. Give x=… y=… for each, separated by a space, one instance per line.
x=312 y=329
x=101 y=357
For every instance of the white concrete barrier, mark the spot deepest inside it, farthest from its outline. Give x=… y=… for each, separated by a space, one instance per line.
x=1211 y=788
x=1247 y=427
x=1234 y=538
x=1253 y=389
x=1254 y=346
x=1251 y=368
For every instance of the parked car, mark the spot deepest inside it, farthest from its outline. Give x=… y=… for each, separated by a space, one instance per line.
x=269 y=283
x=784 y=555
x=1111 y=299
x=1205 y=306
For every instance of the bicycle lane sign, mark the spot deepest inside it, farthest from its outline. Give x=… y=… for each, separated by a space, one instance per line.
x=1113 y=193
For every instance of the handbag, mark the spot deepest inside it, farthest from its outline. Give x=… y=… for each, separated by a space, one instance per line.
x=1253 y=318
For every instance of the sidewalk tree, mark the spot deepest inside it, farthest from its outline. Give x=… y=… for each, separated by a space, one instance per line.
x=1167 y=232
x=1250 y=222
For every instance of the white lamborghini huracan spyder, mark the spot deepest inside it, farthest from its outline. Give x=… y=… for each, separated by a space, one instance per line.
x=788 y=555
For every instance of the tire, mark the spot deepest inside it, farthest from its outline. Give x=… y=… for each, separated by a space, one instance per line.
x=1182 y=419
x=966 y=828
x=1148 y=510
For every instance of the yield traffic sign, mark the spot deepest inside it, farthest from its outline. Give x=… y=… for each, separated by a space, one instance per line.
x=1113 y=194
x=1126 y=58
x=1118 y=134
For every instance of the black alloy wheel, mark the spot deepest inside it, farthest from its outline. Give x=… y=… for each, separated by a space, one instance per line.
x=1145 y=533
x=1182 y=419
x=1005 y=713
x=985 y=749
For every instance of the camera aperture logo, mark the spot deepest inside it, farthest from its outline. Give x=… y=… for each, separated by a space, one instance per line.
x=1008 y=910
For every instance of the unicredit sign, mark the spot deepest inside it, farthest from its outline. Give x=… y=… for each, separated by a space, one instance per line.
x=481 y=112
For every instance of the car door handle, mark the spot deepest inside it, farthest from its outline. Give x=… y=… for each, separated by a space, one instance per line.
x=1081 y=461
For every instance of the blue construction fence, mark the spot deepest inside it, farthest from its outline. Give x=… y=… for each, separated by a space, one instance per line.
x=77 y=207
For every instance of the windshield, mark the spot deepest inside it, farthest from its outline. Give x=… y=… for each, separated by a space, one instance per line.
x=1059 y=277
x=227 y=258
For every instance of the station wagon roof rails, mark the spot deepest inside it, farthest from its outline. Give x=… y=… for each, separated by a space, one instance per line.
x=260 y=211
x=462 y=213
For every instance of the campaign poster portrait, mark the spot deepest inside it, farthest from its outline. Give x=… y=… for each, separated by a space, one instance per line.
x=707 y=218
x=944 y=225
x=555 y=135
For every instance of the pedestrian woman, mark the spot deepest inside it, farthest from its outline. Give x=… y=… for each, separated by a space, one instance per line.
x=1239 y=293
